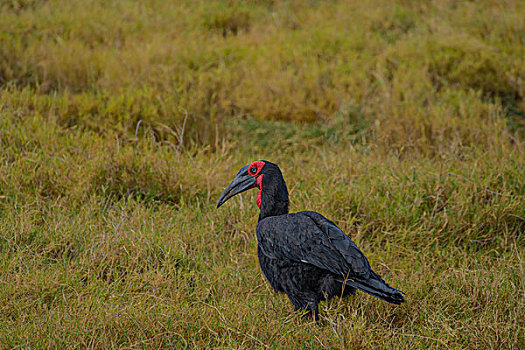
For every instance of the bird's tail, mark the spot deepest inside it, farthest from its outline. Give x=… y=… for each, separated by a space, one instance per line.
x=377 y=287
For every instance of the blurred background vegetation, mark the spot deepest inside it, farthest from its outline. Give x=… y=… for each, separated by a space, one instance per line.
x=121 y=121
x=422 y=72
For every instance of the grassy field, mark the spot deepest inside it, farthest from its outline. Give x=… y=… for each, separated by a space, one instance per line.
x=122 y=121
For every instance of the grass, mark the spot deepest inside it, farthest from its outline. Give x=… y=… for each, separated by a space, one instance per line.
x=121 y=122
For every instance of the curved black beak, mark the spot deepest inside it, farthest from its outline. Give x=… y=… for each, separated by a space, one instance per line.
x=242 y=182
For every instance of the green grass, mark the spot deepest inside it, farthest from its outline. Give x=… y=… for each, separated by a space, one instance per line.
x=121 y=122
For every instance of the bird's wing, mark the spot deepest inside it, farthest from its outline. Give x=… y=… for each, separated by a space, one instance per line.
x=343 y=244
x=310 y=238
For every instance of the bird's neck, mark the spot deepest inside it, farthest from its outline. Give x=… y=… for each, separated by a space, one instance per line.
x=274 y=198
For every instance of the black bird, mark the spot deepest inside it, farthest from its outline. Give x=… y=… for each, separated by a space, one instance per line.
x=304 y=254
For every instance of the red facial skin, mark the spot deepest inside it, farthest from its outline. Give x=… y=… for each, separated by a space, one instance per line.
x=258 y=178
x=259 y=184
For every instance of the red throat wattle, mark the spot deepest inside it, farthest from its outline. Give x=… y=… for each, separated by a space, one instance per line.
x=258 y=181
x=258 y=165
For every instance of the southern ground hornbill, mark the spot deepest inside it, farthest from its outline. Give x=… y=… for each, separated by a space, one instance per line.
x=304 y=254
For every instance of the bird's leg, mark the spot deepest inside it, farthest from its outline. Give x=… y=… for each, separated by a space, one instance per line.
x=314 y=309
x=307 y=312
x=311 y=307
x=302 y=306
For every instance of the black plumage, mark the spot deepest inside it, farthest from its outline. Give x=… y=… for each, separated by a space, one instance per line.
x=304 y=254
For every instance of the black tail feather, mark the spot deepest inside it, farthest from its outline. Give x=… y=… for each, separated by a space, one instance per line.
x=377 y=287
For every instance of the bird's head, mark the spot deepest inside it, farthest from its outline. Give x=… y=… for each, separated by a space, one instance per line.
x=267 y=177
x=250 y=176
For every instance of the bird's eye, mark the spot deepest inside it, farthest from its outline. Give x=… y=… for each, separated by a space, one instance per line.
x=253 y=170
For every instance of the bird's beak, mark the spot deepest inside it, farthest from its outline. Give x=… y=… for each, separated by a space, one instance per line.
x=242 y=182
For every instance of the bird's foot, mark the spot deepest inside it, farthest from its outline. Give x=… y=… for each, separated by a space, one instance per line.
x=309 y=313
